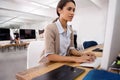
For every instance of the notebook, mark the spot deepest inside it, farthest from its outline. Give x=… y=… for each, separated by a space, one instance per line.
x=64 y=72
x=101 y=75
x=94 y=64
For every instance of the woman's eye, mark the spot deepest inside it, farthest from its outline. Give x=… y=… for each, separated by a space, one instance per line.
x=73 y=10
x=69 y=9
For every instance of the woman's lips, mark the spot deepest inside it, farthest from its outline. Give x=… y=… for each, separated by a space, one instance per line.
x=71 y=17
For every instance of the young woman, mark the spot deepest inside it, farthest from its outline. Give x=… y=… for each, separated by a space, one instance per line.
x=59 y=44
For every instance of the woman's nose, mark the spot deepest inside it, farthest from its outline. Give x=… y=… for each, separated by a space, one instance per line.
x=72 y=12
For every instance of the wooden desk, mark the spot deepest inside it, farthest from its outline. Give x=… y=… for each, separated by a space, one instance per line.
x=7 y=46
x=98 y=54
x=39 y=70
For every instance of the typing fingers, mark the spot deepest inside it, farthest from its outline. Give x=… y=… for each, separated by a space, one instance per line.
x=88 y=58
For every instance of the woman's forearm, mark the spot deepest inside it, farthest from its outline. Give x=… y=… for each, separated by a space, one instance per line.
x=55 y=57
x=58 y=58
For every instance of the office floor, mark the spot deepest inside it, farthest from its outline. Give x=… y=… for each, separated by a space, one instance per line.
x=12 y=62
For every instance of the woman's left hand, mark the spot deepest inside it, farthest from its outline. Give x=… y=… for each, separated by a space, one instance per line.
x=92 y=55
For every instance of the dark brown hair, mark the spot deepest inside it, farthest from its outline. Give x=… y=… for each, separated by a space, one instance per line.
x=61 y=4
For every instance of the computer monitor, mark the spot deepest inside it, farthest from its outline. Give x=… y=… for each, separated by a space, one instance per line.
x=27 y=34
x=4 y=34
x=112 y=37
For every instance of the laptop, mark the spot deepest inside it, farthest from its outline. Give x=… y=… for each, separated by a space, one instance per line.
x=94 y=64
x=64 y=72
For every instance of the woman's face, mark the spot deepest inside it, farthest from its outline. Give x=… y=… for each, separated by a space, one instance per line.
x=67 y=12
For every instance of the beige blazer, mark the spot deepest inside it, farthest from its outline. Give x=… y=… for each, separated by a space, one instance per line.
x=52 y=39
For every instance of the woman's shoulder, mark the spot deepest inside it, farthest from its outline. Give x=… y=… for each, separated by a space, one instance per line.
x=51 y=26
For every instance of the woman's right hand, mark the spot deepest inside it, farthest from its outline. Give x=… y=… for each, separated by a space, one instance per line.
x=83 y=59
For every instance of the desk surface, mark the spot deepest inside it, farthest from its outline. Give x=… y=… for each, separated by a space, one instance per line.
x=39 y=70
x=98 y=54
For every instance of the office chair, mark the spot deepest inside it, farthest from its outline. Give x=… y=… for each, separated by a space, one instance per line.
x=87 y=44
x=34 y=53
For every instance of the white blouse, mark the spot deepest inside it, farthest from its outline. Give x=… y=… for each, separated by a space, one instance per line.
x=64 y=38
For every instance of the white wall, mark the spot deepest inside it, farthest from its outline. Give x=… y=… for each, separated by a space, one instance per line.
x=89 y=23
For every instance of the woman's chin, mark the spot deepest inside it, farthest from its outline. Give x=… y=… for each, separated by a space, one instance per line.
x=70 y=20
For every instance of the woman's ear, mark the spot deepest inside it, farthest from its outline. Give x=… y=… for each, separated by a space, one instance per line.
x=59 y=10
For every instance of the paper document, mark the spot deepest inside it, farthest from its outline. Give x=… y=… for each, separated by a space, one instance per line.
x=94 y=64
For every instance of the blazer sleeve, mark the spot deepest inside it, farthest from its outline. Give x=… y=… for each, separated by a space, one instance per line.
x=49 y=40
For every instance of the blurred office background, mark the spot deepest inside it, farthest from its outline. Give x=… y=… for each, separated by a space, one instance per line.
x=30 y=17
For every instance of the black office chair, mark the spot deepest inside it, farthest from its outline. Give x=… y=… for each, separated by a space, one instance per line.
x=87 y=44
x=75 y=40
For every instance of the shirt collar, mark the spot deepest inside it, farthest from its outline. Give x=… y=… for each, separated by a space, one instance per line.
x=60 y=28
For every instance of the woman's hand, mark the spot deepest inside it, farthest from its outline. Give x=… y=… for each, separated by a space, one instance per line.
x=86 y=57
x=92 y=55
x=89 y=54
x=83 y=58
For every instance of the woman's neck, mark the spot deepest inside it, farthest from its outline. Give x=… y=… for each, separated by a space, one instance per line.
x=63 y=23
